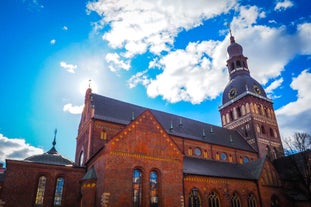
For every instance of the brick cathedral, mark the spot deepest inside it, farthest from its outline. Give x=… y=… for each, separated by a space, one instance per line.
x=133 y=156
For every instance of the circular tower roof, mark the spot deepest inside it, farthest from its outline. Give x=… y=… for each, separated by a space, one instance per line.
x=234 y=49
x=239 y=85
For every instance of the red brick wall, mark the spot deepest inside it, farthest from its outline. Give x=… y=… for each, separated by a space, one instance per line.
x=21 y=181
x=145 y=145
x=222 y=186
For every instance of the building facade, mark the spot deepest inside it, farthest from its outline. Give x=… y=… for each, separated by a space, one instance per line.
x=129 y=155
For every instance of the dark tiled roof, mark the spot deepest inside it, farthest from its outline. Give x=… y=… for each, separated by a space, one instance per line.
x=116 y=111
x=198 y=166
x=90 y=174
x=51 y=157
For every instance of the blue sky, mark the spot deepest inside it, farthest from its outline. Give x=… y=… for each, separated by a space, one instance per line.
x=167 y=55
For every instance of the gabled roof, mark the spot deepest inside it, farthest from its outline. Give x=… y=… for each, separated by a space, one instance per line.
x=50 y=158
x=111 y=110
x=199 y=166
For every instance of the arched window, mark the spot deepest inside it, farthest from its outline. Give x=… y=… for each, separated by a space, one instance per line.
x=231 y=115
x=235 y=200
x=238 y=110
x=194 y=198
x=59 y=191
x=81 y=158
x=154 y=191
x=238 y=64
x=274 y=201
x=40 y=191
x=137 y=187
x=232 y=66
x=263 y=129
x=213 y=199
x=251 y=200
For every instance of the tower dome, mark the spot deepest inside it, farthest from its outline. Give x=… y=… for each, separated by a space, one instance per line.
x=241 y=82
x=234 y=49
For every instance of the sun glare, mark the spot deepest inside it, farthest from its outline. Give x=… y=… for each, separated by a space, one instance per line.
x=87 y=83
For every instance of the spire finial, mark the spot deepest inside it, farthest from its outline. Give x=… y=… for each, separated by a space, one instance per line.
x=229 y=25
x=54 y=141
x=90 y=81
x=230 y=31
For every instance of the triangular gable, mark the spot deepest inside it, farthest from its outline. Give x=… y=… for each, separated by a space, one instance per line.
x=145 y=138
x=269 y=176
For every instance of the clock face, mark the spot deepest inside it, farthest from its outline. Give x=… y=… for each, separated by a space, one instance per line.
x=257 y=90
x=232 y=93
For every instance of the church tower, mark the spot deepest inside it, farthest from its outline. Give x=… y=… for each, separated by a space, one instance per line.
x=246 y=107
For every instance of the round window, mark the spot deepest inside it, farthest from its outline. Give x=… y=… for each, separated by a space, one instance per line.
x=197 y=151
x=245 y=159
x=223 y=156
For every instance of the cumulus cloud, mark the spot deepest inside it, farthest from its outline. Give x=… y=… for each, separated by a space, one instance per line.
x=73 y=109
x=274 y=85
x=152 y=25
x=16 y=148
x=68 y=67
x=116 y=62
x=197 y=72
x=283 y=5
x=292 y=116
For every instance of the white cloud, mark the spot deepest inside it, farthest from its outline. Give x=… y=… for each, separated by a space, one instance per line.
x=304 y=37
x=65 y=28
x=16 y=148
x=274 y=85
x=115 y=62
x=283 y=5
x=73 y=109
x=138 y=26
x=293 y=116
x=68 y=67
x=53 y=41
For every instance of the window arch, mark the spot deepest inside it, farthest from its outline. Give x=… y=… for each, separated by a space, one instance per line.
x=213 y=199
x=238 y=64
x=231 y=115
x=238 y=110
x=59 y=191
x=235 y=200
x=154 y=189
x=274 y=201
x=137 y=187
x=194 y=198
x=251 y=200
x=40 y=191
x=81 y=158
x=263 y=129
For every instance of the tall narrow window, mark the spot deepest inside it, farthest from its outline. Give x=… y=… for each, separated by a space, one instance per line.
x=194 y=198
x=59 y=191
x=154 y=192
x=40 y=191
x=213 y=199
x=251 y=200
x=274 y=201
x=137 y=187
x=81 y=158
x=235 y=200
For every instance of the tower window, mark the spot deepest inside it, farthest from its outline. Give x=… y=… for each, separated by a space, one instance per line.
x=231 y=115
x=40 y=191
x=274 y=201
x=232 y=66
x=239 y=111
x=81 y=158
x=137 y=188
x=238 y=64
x=263 y=129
